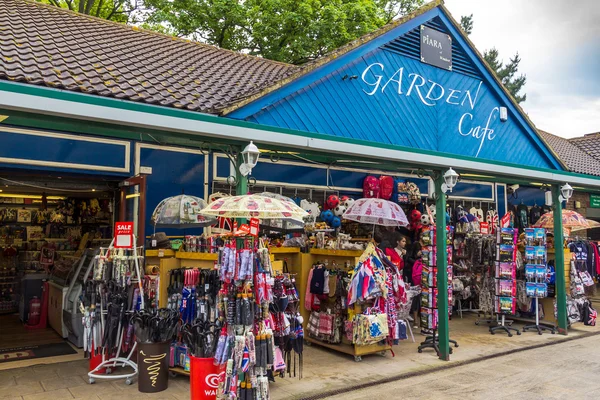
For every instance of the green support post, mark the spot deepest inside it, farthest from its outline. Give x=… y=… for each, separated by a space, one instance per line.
x=241 y=188
x=559 y=262
x=442 y=271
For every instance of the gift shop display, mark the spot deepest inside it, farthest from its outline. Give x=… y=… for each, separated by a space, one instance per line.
x=429 y=290
x=505 y=302
x=536 y=273
x=111 y=295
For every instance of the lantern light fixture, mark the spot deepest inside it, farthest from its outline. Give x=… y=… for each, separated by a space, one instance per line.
x=250 y=157
x=450 y=180
x=566 y=191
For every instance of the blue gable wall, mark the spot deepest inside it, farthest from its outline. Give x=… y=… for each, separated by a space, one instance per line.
x=385 y=95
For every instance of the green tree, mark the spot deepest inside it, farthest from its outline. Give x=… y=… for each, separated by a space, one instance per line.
x=114 y=10
x=506 y=73
x=466 y=23
x=292 y=31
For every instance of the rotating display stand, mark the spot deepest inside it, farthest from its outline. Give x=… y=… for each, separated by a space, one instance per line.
x=505 y=302
x=429 y=293
x=536 y=272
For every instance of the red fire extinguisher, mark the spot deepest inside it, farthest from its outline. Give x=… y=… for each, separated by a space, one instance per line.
x=35 y=306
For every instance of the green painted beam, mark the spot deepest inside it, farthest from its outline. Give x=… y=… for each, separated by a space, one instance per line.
x=559 y=262
x=442 y=269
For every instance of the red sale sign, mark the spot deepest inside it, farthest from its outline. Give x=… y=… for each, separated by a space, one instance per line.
x=123 y=235
x=254 y=226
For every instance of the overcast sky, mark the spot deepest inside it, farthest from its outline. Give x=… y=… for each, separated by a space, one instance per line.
x=559 y=44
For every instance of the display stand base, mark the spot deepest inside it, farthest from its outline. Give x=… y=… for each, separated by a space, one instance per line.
x=539 y=328
x=502 y=326
x=432 y=342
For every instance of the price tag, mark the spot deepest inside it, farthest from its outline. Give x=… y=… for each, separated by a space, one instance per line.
x=153 y=242
x=161 y=253
x=254 y=226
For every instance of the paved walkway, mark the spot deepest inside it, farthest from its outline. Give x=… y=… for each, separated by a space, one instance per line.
x=567 y=370
x=325 y=370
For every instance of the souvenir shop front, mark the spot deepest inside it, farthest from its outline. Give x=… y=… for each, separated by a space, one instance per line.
x=385 y=136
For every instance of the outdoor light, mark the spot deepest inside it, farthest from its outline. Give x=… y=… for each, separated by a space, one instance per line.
x=503 y=114
x=251 y=154
x=450 y=180
x=566 y=192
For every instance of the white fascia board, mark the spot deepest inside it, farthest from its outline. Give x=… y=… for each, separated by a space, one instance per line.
x=70 y=109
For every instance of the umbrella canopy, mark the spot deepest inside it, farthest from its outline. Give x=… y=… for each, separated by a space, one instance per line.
x=377 y=212
x=570 y=220
x=287 y=223
x=254 y=206
x=181 y=212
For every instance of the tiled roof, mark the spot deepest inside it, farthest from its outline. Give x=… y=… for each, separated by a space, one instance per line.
x=589 y=143
x=572 y=156
x=45 y=45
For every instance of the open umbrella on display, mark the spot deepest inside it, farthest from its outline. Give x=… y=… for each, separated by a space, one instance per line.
x=283 y=223
x=570 y=219
x=255 y=206
x=377 y=212
x=181 y=212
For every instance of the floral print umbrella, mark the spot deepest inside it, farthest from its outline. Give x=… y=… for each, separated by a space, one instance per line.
x=254 y=206
x=181 y=212
x=570 y=219
x=376 y=212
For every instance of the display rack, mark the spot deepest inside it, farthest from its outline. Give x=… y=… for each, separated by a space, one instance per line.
x=505 y=302
x=92 y=336
x=536 y=272
x=429 y=292
x=340 y=258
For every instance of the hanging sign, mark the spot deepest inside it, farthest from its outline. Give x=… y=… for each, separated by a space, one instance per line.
x=436 y=48
x=594 y=201
x=123 y=235
x=485 y=228
x=254 y=227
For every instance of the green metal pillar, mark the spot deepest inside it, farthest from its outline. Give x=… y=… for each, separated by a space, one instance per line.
x=559 y=262
x=442 y=264
x=241 y=187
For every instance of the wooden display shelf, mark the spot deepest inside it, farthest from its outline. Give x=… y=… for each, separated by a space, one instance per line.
x=179 y=371
x=337 y=253
x=351 y=349
x=196 y=256
x=166 y=253
x=284 y=250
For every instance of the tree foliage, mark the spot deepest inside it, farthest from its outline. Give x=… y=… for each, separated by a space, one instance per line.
x=292 y=31
x=114 y=10
x=506 y=73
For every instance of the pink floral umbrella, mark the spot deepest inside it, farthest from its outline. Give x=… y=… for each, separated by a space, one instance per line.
x=377 y=212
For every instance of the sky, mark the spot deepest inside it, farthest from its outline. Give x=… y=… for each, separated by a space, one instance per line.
x=559 y=45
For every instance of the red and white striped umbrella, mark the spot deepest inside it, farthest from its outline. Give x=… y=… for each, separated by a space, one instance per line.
x=377 y=212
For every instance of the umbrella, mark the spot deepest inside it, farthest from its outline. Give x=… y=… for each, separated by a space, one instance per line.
x=376 y=212
x=254 y=206
x=181 y=211
x=570 y=219
x=284 y=223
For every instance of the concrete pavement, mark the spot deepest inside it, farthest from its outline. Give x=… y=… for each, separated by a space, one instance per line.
x=568 y=370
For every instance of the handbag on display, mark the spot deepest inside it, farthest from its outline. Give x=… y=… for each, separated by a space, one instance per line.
x=313 y=323
x=370 y=328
